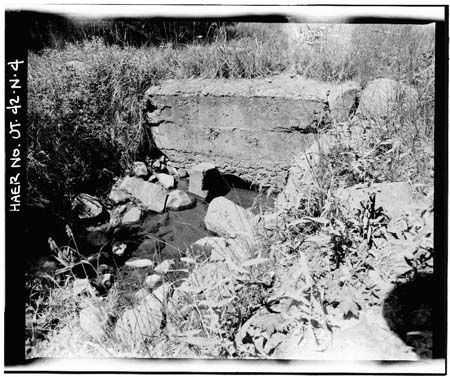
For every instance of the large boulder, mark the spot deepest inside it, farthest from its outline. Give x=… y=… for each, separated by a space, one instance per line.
x=302 y=173
x=86 y=207
x=395 y=197
x=179 y=200
x=199 y=177
x=386 y=98
x=227 y=219
x=343 y=104
x=151 y=195
x=307 y=166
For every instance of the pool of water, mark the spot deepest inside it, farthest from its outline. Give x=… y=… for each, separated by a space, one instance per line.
x=177 y=230
x=169 y=235
x=160 y=236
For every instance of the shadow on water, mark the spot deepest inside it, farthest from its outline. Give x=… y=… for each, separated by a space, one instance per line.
x=170 y=235
x=408 y=312
x=219 y=184
x=40 y=223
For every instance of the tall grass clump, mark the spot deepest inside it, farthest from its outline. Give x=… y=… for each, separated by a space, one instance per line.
x=84 y=115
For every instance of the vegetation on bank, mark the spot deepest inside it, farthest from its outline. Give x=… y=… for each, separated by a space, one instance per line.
x=85 y=127
x=84 y=100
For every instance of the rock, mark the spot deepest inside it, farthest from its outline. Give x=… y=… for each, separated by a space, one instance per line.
x=151 y=195
x=168 y=181
x=227 y=219
x=182 y=173
x=119 y=249
x=164 y=267
x=398 y=227
x=131 y=216
x=219 y=249
x=301 y=176
x=152 y=280
x=139 y=323
x=107 y=281
x=118 y=196
x=343 y=106
x=93 y=320
x=172 y=171
x=179 y=200
x=188 y=261
x=140 y=169
x=386 y=98
x=394 y=197
x=156 y=165
x=198 y=178
x=139 y=263
x=86 y=206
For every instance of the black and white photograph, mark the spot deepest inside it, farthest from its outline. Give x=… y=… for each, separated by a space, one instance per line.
x=225 y=184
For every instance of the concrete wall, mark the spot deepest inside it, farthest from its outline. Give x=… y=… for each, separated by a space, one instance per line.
x=250 y=128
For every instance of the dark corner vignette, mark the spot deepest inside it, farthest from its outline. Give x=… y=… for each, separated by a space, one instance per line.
x=441 y=193
x=15 y=66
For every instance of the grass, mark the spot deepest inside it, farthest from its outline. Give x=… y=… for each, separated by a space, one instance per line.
x=85 y=100
x=86 y=128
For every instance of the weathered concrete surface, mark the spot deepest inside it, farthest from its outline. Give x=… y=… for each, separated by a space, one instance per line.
x=250 y=128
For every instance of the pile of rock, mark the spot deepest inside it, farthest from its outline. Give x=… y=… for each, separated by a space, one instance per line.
x=148 y=187
x=155 y=192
